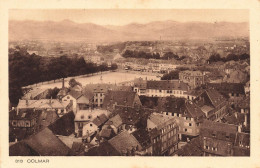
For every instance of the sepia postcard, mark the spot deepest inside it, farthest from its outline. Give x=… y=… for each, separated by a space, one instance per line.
x=130 y=83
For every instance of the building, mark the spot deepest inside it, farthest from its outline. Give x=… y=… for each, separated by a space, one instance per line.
x=121 y=98
x=212 y=104
x=78 y=100
x=144 y=139
x=187 y=114
x=163 y=131
x=36 y=94
x=125 y=144
x=85 y=124
x=192 y=78
x=219 y=139
x=166 y=88
x=140 y=86
x=44 y=104
x=22 y=123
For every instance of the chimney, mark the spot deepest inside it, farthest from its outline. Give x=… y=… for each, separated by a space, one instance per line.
x=236 y=115
x=245 y=122
x=62 y=83
x=239 y=128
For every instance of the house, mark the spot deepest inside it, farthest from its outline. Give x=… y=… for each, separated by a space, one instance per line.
x=219 y=139
x=78 y=100
x=212 y=104
x=166 y=88
x=84 y=121
x=42 y=104
x=192 y=78
x=114 y=123
x=46 y=118
x=140 y=86
x=163 y=131
x=236 y=76
x=22 y=123
x=187 y=114
x=122 y=98
x=125 y=144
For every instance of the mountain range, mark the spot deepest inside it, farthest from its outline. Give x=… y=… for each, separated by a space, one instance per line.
x=67 y=30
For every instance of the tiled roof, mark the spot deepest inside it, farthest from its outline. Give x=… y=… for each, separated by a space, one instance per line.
x=215 y=97
x=128 y=115
x=47 y=144
x=106 y=133
x=143 y=137
x=161 y=120
x=67 y=122
x=116 y=121
x=42 y=103
x=47 y=117
x=75 y=94
x=104 y=149
x=33 y=93
x=89 y=115
x=167 y=85
x=193 y=110
x=125 y=98
x=99 y=120
x=124 y=141
x=20 y=149
x=217 y=126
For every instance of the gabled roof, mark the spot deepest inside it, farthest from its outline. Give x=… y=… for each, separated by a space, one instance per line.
x=167 y=85
x=34 y=92
x=106 y=133
x=45 y=143
x=89 y=115
x=171 y=104
x=75 y=94
x=124 y=141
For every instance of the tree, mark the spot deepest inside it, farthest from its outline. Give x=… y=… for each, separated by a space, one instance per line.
x=52 y=93
x=170 y=76
x=73 y=82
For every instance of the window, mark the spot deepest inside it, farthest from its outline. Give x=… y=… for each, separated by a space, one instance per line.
x=68 y=97
x=206 y=147
x=214 y=135
x=190 y=124
x=215 y=149
x=90 y=125
x=96 y=100
x=100 y=100
x=185 y=130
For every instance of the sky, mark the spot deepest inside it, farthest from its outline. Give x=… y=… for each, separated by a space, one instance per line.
x=127 y=16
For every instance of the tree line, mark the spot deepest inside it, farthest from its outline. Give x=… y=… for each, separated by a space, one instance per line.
x=26 y=69
x=230 y=57
x=146 y=55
